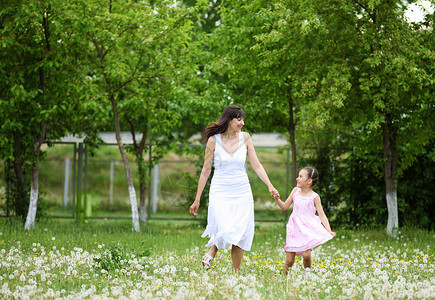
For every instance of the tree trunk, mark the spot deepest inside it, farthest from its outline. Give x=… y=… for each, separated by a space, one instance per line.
x=33 y=205
x=34 y=186
x=131 y=191
x=139 y=149
x=143 y=207
x=291 y=129
x=390 y=173
x=19 y=203
x=142 y=185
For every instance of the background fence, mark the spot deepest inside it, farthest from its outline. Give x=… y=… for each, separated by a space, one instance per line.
x=69 y=175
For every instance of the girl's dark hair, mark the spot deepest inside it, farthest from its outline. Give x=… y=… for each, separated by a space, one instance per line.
x=313 y=174
x=230 y=112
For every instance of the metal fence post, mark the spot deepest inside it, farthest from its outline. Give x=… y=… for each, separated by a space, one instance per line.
x=155 y=181
x=74 y=181
x=85 y=184
x=112 y=171
x=66 y=182
x=149 y=183
x=79 y=204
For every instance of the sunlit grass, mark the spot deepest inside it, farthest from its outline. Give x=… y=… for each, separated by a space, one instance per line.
x=59 y=260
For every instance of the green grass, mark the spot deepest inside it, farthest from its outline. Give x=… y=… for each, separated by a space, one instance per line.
x=59 y=259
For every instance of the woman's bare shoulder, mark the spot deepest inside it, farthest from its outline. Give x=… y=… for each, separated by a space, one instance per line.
x=211 y=142
x=247 y=137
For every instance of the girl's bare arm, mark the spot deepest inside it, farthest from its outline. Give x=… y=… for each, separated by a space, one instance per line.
x=322 y=216
x=285 y=205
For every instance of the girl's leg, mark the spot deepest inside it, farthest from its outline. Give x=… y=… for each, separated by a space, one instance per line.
x=289 y=261
x=236 y=257
x=307 y=258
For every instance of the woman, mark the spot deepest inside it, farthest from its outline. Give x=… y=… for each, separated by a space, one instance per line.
x=231 y=204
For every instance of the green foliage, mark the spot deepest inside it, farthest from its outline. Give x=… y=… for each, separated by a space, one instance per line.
x=352 y=189
x=41 y=84
x=116 y=256
x=342 y=69
x=416 y=201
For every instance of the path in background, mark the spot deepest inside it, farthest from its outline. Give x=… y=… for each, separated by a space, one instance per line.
x=259 y=139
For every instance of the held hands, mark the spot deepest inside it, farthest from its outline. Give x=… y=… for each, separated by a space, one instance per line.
x=273 y=192
x=194 y=208
x=276 y=197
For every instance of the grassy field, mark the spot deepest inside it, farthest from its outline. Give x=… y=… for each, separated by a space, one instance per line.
x=104 y=259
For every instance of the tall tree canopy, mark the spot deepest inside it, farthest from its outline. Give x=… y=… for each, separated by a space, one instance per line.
x=41 y=89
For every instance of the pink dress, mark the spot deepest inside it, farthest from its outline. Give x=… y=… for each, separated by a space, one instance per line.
x=304 y=228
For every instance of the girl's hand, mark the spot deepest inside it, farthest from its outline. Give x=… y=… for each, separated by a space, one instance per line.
x=194 y=208
x=333 y=233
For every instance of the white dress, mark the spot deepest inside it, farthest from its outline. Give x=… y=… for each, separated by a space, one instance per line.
x=231 y=204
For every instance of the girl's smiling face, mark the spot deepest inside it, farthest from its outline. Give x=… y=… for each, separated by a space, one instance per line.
x=303 y=181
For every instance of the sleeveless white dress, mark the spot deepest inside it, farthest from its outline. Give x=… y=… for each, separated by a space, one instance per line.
x=231 y=204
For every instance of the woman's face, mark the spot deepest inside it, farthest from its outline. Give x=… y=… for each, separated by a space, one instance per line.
x=236 y=124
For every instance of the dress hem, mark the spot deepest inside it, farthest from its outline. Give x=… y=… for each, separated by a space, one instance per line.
x=311 y=245
x=222 y=243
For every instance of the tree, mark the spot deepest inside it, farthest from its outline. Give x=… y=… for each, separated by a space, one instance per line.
x=40 y=81
x=386 y=63
x=152 y=105
x=266 y=53
x=138 y=56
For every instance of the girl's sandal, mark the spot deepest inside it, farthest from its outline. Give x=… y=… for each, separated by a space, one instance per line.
x=206 y=261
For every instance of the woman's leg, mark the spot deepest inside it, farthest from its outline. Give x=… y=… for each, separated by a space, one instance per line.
x=236 y=256
x=213 y=250
x=208 y=258
x=307 y=258
x=289 y=261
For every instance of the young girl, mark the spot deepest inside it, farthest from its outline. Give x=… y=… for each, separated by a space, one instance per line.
x=305 y=230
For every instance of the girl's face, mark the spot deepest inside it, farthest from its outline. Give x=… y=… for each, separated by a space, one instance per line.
x=236 y=124
x=303 y=181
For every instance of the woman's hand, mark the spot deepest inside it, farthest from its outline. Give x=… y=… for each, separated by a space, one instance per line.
x=273 y=192
x=333 y=233
x=194 y=208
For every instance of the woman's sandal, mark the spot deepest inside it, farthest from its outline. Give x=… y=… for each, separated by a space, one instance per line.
x=206 y=261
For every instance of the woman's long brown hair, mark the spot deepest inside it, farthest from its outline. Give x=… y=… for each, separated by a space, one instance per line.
x=230 y=112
